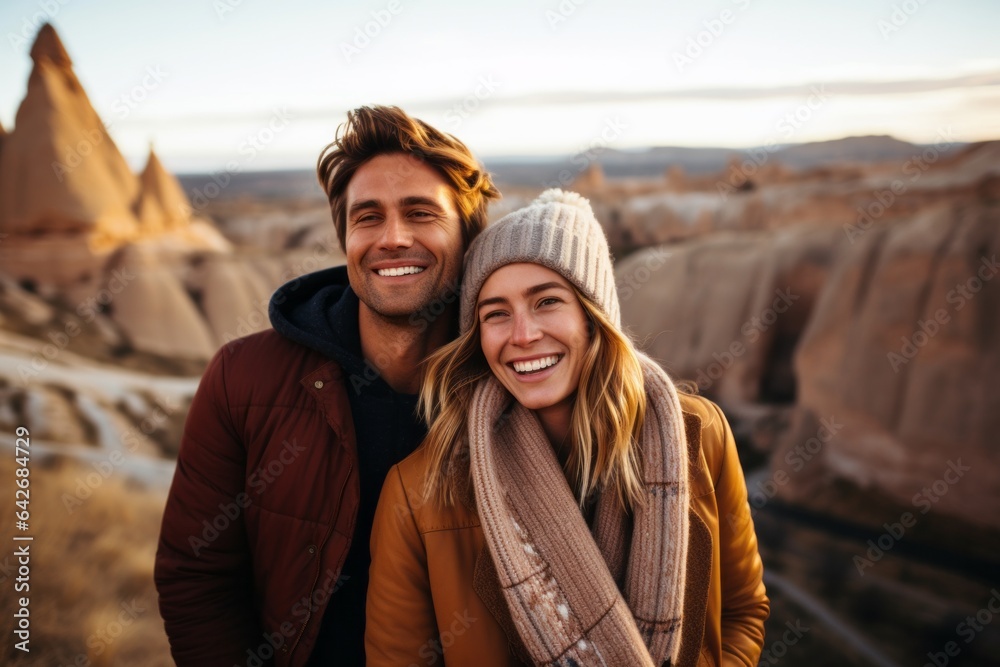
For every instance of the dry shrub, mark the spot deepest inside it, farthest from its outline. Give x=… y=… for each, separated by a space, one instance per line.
x=92 y=599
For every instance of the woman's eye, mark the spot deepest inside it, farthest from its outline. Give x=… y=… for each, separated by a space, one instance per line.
x=549 y=300
x=493 y=314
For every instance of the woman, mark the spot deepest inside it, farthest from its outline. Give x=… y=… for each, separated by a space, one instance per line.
x=567 y=506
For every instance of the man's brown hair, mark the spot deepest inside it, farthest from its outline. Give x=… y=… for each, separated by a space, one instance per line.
x=380 y=130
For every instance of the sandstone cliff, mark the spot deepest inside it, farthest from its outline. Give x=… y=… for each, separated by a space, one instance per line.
x=868 y=363
x=903 y=348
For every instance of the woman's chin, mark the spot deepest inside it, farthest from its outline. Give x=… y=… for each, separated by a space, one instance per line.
x=541 y=401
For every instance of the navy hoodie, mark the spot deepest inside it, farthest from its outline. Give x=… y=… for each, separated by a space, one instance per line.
x=320 y=311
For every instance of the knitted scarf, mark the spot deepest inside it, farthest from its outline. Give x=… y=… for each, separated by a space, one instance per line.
x=611 y=597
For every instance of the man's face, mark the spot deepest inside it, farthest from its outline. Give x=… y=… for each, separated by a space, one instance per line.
x=403 y=237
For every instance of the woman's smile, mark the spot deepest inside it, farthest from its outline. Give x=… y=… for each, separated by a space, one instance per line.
x=534 y=334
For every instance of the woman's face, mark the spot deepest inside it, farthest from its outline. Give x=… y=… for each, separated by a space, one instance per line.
x=534 y=334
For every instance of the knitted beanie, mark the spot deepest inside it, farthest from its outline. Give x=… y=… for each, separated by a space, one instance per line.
x=558 y=231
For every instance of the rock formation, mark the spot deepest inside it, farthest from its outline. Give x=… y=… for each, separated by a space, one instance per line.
x=590 y=180
x=234 y=298
x=903 y=349
x=759 y=289
x=60 y=171
x=760 y=192
x=675 y=178
x=162 y=204
x=75 y=220
x=880 y=353
x=67 y=196
x=155 y=312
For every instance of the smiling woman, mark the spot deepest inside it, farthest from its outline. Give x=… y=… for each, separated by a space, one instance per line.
x=567 y=497
x=534 y=335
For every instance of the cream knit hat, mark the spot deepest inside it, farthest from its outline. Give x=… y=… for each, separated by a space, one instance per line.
x=559 y=231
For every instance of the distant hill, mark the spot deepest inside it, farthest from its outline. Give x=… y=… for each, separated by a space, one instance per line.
x=292 y=184
x=879 y=148
x=653 y=162
x=614 y=163
x=563 y=170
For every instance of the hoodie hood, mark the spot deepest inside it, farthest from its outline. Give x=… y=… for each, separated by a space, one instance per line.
x=320 y=311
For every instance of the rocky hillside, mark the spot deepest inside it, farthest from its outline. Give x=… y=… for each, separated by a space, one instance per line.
x=867 y=362
x=77 y=223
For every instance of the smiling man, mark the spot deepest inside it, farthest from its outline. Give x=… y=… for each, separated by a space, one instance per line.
x=264 y=551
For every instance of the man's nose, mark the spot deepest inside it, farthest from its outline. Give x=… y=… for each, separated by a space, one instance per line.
x=395 y=233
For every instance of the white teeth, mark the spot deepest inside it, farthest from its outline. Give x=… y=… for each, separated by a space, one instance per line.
x=400 y=271
x=535 y=364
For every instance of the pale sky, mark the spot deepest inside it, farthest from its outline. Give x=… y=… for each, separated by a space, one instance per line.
x=266 y=83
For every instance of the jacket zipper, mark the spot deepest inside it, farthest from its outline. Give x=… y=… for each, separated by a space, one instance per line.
x=319 y=564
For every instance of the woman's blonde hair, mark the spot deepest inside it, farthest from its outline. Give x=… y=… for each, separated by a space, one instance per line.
x=606 y=421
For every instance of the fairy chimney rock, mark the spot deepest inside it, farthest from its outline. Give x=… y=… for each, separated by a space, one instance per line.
x=162 y=204
x=59 y=169
x=153 y=309
x=49 y=47
x=676 y=178
x=590 y=180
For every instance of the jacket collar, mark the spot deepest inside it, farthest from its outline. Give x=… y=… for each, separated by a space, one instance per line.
x=700 y=549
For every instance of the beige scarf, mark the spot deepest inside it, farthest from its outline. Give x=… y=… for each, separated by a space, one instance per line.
x=564 y=585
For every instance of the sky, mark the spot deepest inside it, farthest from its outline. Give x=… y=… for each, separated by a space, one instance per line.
x=266 y=84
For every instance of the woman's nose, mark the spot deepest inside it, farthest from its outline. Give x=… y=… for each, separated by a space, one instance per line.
x=525 y=329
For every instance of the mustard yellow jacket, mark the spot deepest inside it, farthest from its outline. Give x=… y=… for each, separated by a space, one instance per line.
x=434 y=597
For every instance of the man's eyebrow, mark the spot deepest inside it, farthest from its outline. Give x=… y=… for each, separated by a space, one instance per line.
x=528 y=292
x=362 y=205
x=417 y=200
x=413 y=200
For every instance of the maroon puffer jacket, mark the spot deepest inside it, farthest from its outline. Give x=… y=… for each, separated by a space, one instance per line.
x=262 y=507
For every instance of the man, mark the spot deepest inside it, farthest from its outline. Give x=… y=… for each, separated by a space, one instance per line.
x=264 y=550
